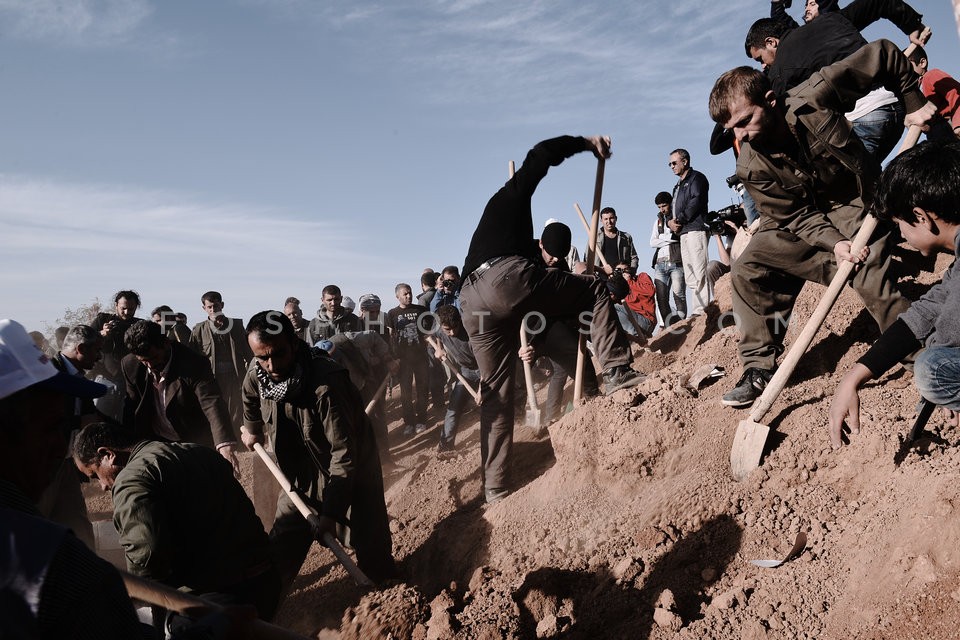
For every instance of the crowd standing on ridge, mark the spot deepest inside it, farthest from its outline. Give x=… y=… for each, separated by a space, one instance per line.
x=161 y=426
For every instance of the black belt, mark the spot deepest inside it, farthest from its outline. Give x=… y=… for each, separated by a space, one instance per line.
x=479 y=271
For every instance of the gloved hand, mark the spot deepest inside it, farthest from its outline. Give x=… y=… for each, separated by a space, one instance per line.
x=320 y=525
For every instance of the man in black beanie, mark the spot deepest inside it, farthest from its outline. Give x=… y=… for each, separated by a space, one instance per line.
x=505 y=279
x=555 y=245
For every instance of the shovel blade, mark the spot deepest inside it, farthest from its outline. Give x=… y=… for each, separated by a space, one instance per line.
x=748 y=443
x=533 y=418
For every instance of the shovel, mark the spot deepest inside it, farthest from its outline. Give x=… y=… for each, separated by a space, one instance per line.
x=534 y=416
x=591 y=252
x=376 y=396
x=751 y=434
x=923 y=415
x=328 y=540
x=456 y=370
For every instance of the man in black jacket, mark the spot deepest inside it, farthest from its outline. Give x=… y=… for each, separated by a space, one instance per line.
x=172 y=394
x=791 y=53
x=505 y=277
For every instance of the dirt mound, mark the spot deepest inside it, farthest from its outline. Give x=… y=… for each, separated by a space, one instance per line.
x=626 y=523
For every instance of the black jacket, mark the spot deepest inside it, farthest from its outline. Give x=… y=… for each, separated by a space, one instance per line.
x=830 y=37
x=506 y=227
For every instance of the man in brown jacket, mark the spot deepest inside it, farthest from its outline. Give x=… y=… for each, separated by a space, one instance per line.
x=172 y=394
x=224 y=343
x=810 y=177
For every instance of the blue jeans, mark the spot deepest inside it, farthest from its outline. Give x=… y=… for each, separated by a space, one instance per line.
x=880 y=130
x=749 y=207
x=936 y=373
x=668 y=280
x=626 y=316
x=459 y=397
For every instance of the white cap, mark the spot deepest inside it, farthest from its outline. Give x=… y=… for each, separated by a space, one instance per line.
x=549 y=222
x=23 y=364
x=348 y=304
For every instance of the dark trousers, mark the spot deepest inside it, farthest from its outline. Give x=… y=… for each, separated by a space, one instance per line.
x=560 y=344
x=437 y=376
x=414 y=370
x=494 y=304
x=378 y=416
x=460 y=399
x=769 y=274
x=368 y=532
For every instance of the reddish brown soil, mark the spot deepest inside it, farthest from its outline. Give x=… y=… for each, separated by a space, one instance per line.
x=627 y=523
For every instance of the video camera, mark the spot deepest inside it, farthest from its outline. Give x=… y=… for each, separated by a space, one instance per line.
x=716 y=220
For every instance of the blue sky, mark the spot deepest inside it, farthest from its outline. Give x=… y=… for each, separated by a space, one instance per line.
x=266 y=148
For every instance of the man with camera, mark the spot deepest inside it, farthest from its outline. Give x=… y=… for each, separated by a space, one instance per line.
x=724 y=224
x=810 y=178
x=667 y=263
x=448 y=289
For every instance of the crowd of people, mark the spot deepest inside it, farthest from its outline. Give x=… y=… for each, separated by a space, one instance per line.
x=161 y=427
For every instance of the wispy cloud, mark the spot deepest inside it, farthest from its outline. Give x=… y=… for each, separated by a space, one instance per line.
x=553 y=59
x=69 y=241
x=75 y=22
x=93 y=24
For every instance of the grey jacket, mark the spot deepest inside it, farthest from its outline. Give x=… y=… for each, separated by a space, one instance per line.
x=323 y=328
x=626 y=252
x=935 y=317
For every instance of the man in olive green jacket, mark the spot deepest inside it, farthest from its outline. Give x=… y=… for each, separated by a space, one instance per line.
x=223 y=342
x=810 y=177
x=182 y=517
x=314 y=417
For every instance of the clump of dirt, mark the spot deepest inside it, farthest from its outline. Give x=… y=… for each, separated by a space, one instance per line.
x=391 y=613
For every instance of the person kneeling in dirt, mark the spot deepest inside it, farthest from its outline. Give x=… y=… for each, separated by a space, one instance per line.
x=324 y=443
x=920 y=191
x=183 y=518
x=809 y=177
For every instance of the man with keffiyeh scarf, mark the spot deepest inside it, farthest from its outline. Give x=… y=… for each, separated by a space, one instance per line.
x=314 y=417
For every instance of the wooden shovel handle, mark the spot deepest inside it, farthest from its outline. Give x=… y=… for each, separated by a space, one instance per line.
x=466 y=385
x=800 y=345
x=591 y=252
x=358 y=576
x=586 y=226
x=528 y=371
x=376 y=396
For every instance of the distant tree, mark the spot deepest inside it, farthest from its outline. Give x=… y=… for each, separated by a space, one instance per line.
x=84 y=314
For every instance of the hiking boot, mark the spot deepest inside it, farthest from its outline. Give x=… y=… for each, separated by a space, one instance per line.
x=420 y=428
x=751 y=385
x=620 y=377
x=408 y=430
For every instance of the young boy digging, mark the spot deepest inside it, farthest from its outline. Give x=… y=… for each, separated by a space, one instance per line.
x=920 y=191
